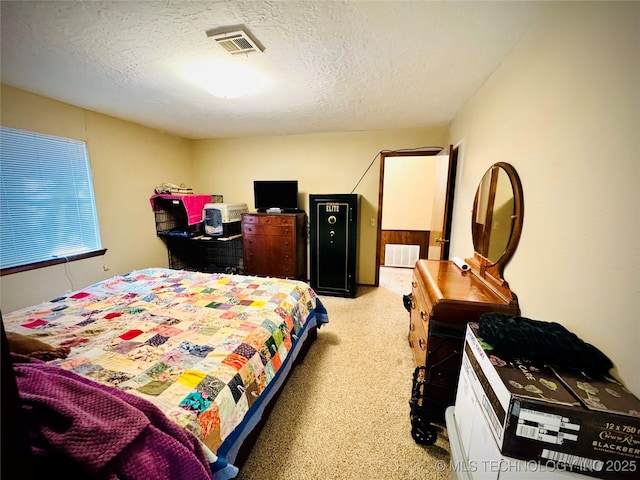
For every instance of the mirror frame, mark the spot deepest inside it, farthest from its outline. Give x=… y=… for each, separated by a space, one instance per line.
x=493 y=272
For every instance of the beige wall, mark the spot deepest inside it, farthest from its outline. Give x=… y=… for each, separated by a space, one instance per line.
x=322 y=163
x=564 y=110
x=408 y=193
x=127 y=161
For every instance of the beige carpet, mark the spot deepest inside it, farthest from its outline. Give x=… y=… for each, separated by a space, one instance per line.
x=344 y=413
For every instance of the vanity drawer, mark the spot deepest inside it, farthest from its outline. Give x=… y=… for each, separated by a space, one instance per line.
x=420 y=294
x=419 y=321
x=418 y=342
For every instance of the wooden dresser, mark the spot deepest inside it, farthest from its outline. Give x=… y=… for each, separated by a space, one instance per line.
x=444 y=299
x=275 y=244
x=446 y=295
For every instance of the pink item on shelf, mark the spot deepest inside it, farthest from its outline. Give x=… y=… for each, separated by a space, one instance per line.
x=193 y=205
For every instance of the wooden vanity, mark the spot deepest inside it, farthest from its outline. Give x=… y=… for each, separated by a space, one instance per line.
x=445 y=297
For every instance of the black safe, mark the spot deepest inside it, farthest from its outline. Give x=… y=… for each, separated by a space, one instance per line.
x=333 y=245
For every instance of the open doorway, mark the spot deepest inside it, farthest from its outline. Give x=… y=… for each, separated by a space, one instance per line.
x=414 y=206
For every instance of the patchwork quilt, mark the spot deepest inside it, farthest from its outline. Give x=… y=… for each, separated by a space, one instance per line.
x=201 y=347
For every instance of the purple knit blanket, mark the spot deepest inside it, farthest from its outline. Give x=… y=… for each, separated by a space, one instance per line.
x=99 y=430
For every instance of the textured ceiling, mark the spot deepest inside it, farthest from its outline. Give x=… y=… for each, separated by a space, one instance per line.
x=332 y=65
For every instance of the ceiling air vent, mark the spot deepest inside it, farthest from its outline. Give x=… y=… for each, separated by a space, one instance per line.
x=235 y=42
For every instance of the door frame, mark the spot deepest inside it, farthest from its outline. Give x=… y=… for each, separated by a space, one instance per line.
x=448 y=204
x=448 y=201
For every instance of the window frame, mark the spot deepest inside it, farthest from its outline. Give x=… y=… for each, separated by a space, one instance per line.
x=91 y=251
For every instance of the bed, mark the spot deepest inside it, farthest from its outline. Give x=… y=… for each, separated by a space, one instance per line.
x=210 y=351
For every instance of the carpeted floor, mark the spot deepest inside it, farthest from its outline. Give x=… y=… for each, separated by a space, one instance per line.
x=344 y=413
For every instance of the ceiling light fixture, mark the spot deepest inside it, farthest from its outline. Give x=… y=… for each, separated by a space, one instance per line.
x=226 y=79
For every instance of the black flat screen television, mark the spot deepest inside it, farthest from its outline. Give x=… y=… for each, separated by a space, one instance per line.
x=276 y=194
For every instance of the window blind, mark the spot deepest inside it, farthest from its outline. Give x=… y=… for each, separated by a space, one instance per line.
x=47 y=204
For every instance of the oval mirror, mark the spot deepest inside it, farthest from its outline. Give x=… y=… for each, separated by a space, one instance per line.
x=497 y=217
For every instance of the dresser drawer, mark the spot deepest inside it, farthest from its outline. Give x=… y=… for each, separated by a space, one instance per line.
x=287 y=270
x=278 y=246
x=269 y=220
x=419 y=312
x=417 y=342
x=266 y=229
x=255 y=253
x=420 y=291
x=419 y=322
x=260 y=264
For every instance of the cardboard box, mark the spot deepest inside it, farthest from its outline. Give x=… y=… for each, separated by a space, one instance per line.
x=534 y=413
x=474 y=456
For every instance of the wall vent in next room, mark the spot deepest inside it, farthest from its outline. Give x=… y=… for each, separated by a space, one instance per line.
x=401 y=255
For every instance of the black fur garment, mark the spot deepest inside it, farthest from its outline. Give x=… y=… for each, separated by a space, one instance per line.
x=540 y=341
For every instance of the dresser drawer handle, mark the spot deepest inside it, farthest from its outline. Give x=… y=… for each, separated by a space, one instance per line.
x=412 y=327
x=423 y=344
x=413 y=305
x=414 y=284
x=423 y=315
